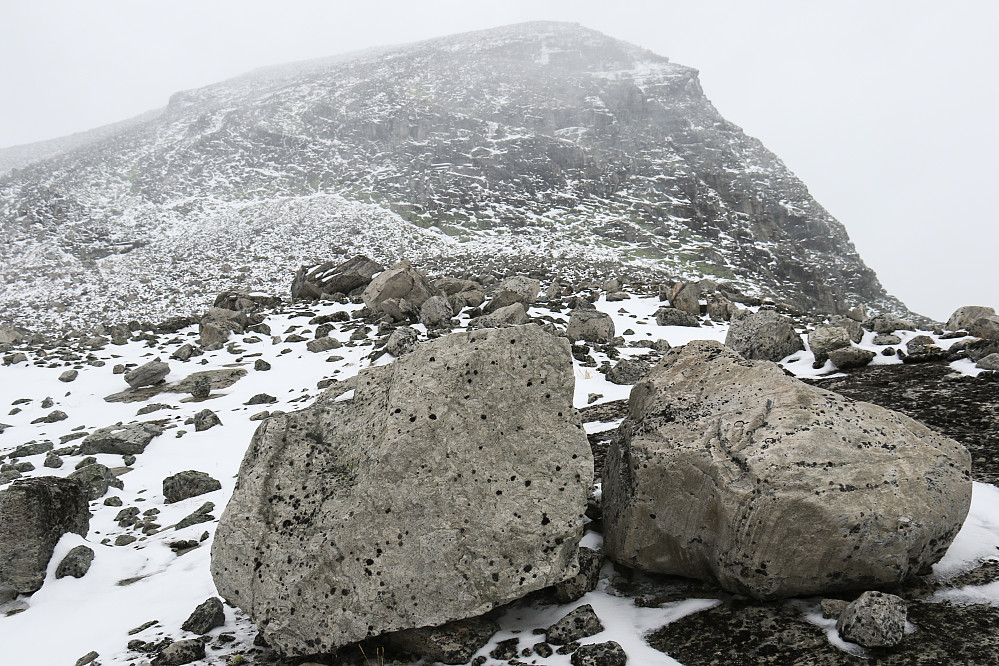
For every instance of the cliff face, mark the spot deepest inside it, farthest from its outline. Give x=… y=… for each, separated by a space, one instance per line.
x=542 y=146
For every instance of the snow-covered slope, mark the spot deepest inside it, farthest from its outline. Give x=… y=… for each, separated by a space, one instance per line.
x=146 y=580
x=542 y=146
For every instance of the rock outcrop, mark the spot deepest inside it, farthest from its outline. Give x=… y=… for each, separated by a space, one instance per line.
x=452 y=481
x=729 y=471
x=34 y=514
x=312 y=282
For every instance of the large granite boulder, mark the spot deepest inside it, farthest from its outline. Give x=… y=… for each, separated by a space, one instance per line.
x=402 y=282
x=732 y=472
x=451 y=481
x=313 y=282
x=765 y=335
x=34 y=514
x=965 y=316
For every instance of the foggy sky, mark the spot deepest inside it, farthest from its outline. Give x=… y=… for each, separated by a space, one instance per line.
x=884 y=109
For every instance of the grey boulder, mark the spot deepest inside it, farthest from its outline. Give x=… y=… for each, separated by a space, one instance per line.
x=580 y=623
x=416 y=507
x=849 y=358
x=190 y=483
x=824 y=339
x=964 y=317
x=131 y=439
x=990 y=362
x=687 y=297
x=732 y=472
x=147 y=374
x=590 y=325
x=436 y=313
x=609 y=653
x=451 y=643
x=400 y=282
x=986 y=328
x=206 y=419
x=765 y=335
x=402 y=341
x=517 y=289
x=875 y=619
x=511 y=315
x=180 y=653
x=34 y=514
x=888 y=323
x=628 y=371
x=571 y=589
x=676 y=317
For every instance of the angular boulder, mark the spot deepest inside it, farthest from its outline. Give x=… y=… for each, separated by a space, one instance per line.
x=436 y=312
x=824 y=339
x=676 y=317
x=986 y=328
x=873 y=620
x=125 y=440
x=765 y=335
x=511 y=315
x=517 y=289
x=732 y=472
x=400 y=508
x=687 y=297
x=330 y=278
x=888 y=323
x=190 y=483
x=402 y=282
x=590 y=325
x=34 y=514
x=96 y=479
x=848 y=358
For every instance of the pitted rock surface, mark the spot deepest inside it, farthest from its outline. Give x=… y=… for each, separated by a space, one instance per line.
x=453 y=481
x=731 y=472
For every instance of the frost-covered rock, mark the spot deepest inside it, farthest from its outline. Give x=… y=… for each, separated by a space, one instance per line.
x=729 y=471
x=417 y=507
x=34 y=514
x=764 y=335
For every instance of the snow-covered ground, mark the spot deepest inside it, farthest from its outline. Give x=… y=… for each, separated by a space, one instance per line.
x=128 y=586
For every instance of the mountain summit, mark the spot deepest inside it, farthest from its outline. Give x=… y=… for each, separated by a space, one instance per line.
x=543 y=147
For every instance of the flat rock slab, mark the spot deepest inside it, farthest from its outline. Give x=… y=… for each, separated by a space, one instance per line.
x=218 y=379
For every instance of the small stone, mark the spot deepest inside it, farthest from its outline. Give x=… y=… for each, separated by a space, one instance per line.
x=580 y=623
x=261 y=365
x=76 y=563
x=69 y=376
x=179 y=653
x=600 y=654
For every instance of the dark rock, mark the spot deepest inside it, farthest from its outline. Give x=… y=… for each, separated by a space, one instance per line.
x=451 y=643
x=323 y=344
x=95 y=480
x=590 y=325
x=505 y=649
x=261 y=399
x=888 y=323
x=511 y=315
x=69 y=375
x=875 y=619
x=330 y=278
x=436 y=313
x=590 y=562
x=402 y=341
x=205 y=617
x=609 y=653
x=201 y=515
x=261 y=365
x=206 y=419
x=580 y=623
x=34 y=514
x=190 y=483
x=76 y=563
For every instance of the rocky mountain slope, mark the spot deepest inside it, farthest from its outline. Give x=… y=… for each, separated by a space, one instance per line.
x=544 y=147
x=156 y=446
